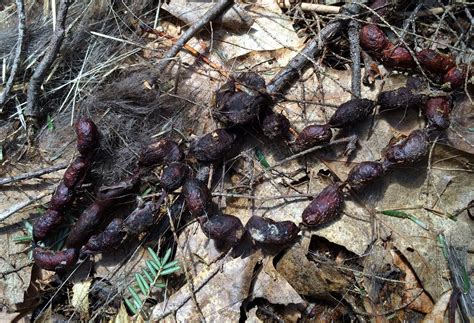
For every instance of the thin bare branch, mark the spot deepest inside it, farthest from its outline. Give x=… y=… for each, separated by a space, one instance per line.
x=33 y=174
x=41 y=71
x=221 y=7
x=20 y=8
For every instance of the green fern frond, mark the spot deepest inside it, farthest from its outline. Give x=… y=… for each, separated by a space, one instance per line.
x=156 y=267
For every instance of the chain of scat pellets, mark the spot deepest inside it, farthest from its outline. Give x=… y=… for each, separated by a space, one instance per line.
x=242 y=102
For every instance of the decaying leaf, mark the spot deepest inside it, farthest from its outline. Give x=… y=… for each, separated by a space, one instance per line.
x=80 y=298
x=437 y=315
x=219 y=293
x=273 y=287
x=122 y=316
x=309 y=278
x=414 y=295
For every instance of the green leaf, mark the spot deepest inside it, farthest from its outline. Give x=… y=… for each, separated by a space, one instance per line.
x=442 y=243
x=418 y=222
x=147 y=275
x=130 y=306
x=403 y=215
x=28 y=227
x=1 y=153
x=169 y=271
x=23 y=239
x=261 y=158
x=166 y=257
x=140 y=283
x=50 y=123
x=396 y=214
x=150 y=264
x=136 y=298
x=147 y=191
x=160 y=285
x=170 y=264
x=465 y=280
x=155 y=257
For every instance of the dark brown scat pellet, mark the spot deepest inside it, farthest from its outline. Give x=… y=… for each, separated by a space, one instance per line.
x=239 y=108
x=55 y=261
x=163 y=151
x=224 y=227
x=397 y=57
x=140 y=219
x=402 y=98
x=351 y=112
x=267 y=231
x=173 y=176
x=364 y=173
x=437 y=111
x=87 y=223
x=75 y=173
x=409 y=150
x=311 y=136
x=197 y=196
x=275 y=126
x=455 y=77
x=373 y=39
x=62 y=197
x=435 y=62
x=325 y=206
x=213 y=146
x=88 y=136
x=108 y=239
x=46 y=223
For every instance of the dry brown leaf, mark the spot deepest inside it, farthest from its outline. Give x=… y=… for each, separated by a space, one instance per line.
x=461 y=132
x=219 y=298
x=271 y=286
x=309 y=278
x=236 y=18
x=414 y=295
x=437 y=314
x=122 y=316
x=80 y=298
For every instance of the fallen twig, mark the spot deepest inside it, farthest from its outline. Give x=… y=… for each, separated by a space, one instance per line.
x=17 y=207
x=285 y=78
x=20 y=8
x=353 y=33
x=28 y=175
x=319 y=8
x=37 y=79
x=349 y=140
x=221 y=7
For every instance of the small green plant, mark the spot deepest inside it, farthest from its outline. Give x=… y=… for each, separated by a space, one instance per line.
x=403 y=215
x=50 y=123
x=156 y=267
